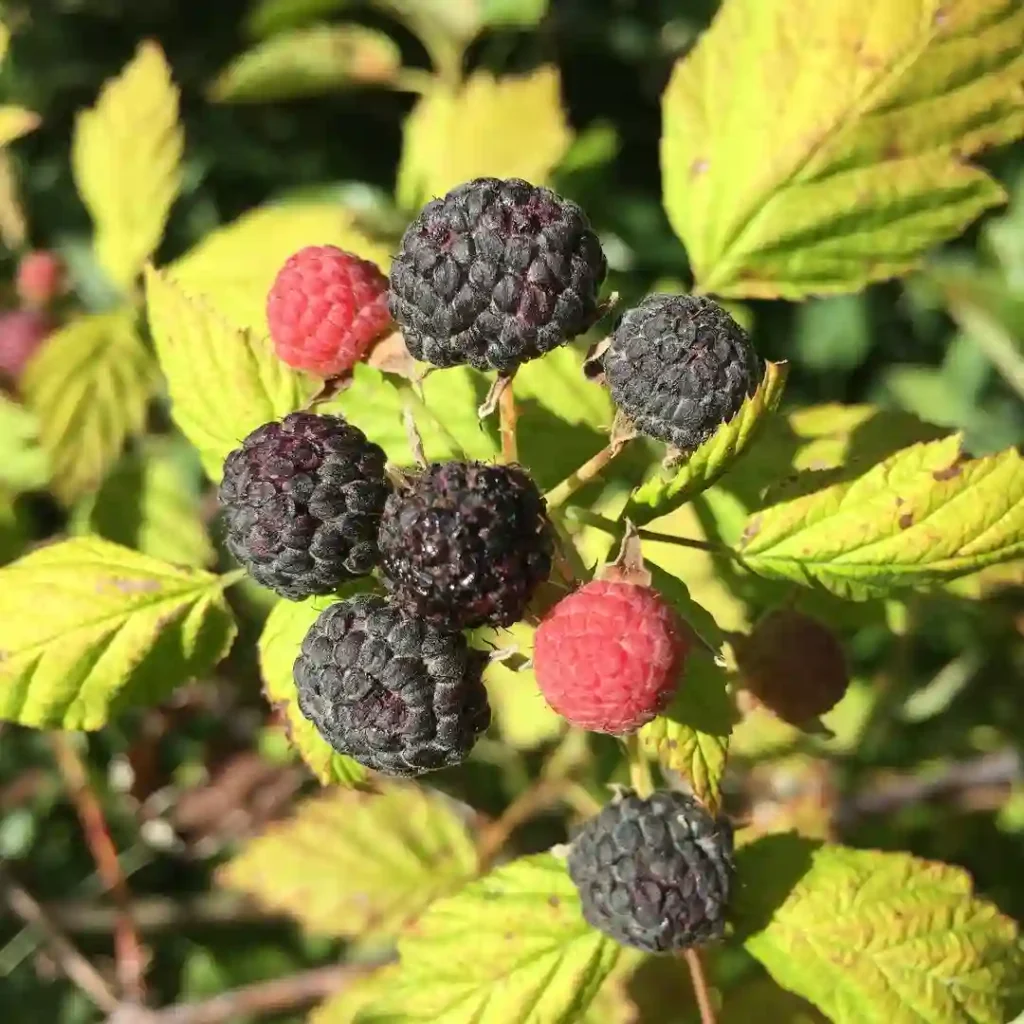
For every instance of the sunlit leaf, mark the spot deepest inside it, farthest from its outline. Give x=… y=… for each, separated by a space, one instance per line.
x=89 y=387
x=223 y=381
x=923 y=515
x=307 y=61
x=872 y=936
x=126 y=156
x=510 y=127
x=352 y=863
x=811 y=148
x=510 y=947
x=119 y=629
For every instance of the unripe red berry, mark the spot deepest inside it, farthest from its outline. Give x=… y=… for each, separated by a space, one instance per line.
x=326 y=308
x=608 y=657
x=40 y=278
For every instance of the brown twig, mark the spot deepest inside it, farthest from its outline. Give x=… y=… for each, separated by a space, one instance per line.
x=68 y=959
x=542 y=794
x=277 y=996
x=130 y=957
x=508 y=416
x=701 y=988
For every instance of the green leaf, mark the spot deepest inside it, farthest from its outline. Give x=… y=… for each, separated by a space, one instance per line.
x=152 y=504
x=923 y=515
x=345 y=1006
x=511 y=127
x=126 y=156
x=268 y=17
x=23 y=463
x=445 y=414
x=692 y=736
x=119 y=629
x=283 y=633
x=521 y=713
x=563 y=417
x=353 y=863
x=89 y=386
x=833 y=333
x=667 y=490
x=223 y=381
x=12 y=529
x=814 y=161
x=308 y=61
x=519 y=13
x=235 y=266
x=16 y=122
x=873 y=936
x=510 y=947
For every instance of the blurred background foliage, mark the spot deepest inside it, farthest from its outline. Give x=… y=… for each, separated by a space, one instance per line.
x=279 y=101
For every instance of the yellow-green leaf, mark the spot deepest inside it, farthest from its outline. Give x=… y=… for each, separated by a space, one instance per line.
x=510 y=127
x=23 y=463
x=813 y=147
x=150 y=503
x=870 y=936
x=283 y=633
x=444 y=409
x=511 y=947
x=223 y=381
x=521 y=713
x=307 y=61
x=344 y=1007
x=666 y=490
x=126 y=156
x=15 y=122
x=692 y=735
x=235 y=266
x=118 y=628
x=354 y=863
x=89 y=386
x=923 y=515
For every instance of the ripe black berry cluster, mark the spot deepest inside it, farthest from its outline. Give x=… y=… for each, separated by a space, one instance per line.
x=495 y=273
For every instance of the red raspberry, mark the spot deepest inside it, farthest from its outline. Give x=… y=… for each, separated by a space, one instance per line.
x=325 y=308
x=40 y=278
x=608 y=658
x=22 y=331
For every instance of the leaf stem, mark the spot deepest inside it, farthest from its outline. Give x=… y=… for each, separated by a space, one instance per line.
x=640 y=776
x=508 y=416
x=701 y=989
x=588 y=518
x=129 y=953
x=589 y=471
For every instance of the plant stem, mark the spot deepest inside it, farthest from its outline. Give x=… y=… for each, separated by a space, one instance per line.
x=701 y=988
x=588 y=518
x=590 y=470
x=640 y=776
x=507 y=417
x=68 y=959
x=131 y=959
x=264 y=997
x=539 y=796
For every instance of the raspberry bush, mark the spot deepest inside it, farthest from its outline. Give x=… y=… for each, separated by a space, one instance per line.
x=576 y=632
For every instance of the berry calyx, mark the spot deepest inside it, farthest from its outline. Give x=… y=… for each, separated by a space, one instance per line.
x=608 y=657
x=325 y=309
